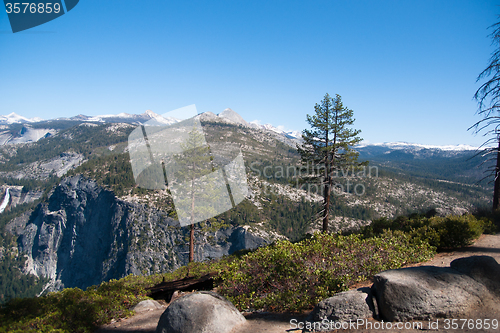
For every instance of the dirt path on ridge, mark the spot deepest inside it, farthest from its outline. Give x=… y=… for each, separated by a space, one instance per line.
x=280 y=323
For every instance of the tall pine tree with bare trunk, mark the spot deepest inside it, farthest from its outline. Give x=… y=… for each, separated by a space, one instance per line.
x=328 y=146
x=194 y=162
x=488 y=98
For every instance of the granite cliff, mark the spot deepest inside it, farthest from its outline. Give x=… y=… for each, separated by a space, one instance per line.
x=84 y=235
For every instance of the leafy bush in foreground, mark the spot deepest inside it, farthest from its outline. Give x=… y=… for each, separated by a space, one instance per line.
x=442 y=232
x=72 y=309
x=284 y=276
x=295 y=276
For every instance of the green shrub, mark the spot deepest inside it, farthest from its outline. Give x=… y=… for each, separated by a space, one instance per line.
x=295 y=276
x=72 y=309
x=456 y=231
x=285 y=276
x=441 y=232
x=489 y=226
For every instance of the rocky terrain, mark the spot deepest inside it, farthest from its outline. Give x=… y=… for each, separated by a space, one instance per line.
x=97 y=224
x=84 y=235
x=14 y=195
x=487 y=245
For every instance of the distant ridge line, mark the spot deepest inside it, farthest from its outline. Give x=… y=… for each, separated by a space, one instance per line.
x=228 y=115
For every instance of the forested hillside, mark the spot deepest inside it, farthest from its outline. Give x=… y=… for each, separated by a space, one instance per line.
x=278 y=205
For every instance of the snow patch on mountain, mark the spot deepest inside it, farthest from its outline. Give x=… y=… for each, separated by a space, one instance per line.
x=417 y=146
x=294 y=134
x=280 y=129
x=14 y=118
x=25 y=135
x=148 y=117
x=272 y=128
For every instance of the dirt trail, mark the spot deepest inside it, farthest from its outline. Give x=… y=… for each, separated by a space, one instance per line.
x=280 y=323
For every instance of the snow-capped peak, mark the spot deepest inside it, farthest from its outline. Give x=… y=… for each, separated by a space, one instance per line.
x=14 y=118
x=279 y=129
x=146 y=117
x=124 y=115
x=156 y=119
x=151 y=114
x=119 y=115
x=270 y=127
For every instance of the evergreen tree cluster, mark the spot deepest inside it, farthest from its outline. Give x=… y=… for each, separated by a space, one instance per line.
x=14 y=283
x=112 y=171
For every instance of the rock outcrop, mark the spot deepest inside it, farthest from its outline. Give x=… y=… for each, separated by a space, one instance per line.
x=203 y=311
x=232 y=116
x=344 y=306
x=429 y=292
x=468 y=287
x=147 y=305
x=426 y=292
x=483 y=269
x=84 y=235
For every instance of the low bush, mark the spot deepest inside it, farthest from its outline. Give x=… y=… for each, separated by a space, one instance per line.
x=441 y=232
x=72 y=309
x=295 y=276
x=285 y=276
x=456 y=231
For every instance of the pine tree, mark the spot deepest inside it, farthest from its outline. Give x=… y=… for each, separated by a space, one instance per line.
x=194 y=162
x=328 y=146
x=199 y=194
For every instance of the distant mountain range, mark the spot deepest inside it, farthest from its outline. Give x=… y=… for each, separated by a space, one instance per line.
x=137 y=119
x=417 y=146
x=227 y=116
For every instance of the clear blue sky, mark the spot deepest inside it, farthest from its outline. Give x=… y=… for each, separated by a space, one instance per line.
x=407 y=68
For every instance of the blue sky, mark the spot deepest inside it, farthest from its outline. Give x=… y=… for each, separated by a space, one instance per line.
x=407 y=68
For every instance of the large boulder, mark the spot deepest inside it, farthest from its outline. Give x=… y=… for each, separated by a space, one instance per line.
x=426 y=292
x=483 y=269
x=344 y=306
x=147 y=305
x=203 y=311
